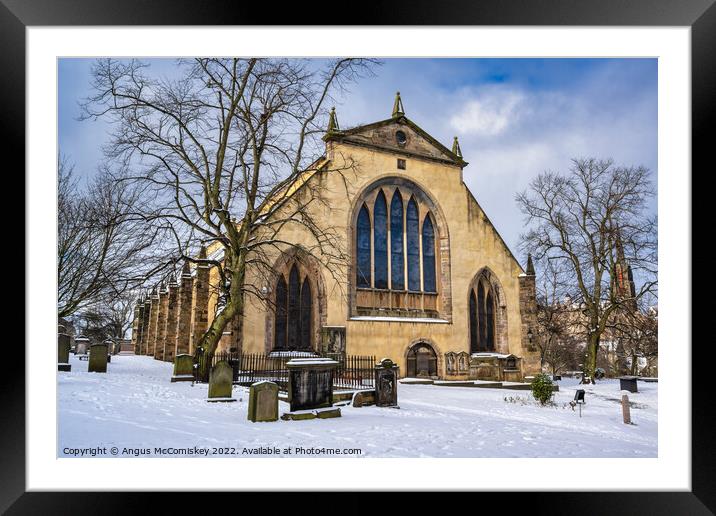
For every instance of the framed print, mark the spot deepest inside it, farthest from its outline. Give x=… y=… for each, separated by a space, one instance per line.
x=440 y=250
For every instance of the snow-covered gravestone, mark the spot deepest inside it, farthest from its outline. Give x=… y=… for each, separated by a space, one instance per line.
x=386 y=384
x=183 y=368
x=220 y=382
x=263 y=402
x=63 y=350
x=97 y=358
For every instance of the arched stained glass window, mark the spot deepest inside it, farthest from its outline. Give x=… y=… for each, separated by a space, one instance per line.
x=363 y=272
x=473 y=323
x=490 y=324
x=428 y=256
x=305 y=321
x=380 y=241
x=397 y=263
x=294 y=308
x=280 y=326
x=481 y=319
x=412 y=235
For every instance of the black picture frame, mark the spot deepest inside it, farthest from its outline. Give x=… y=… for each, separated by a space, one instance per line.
x=700 y=15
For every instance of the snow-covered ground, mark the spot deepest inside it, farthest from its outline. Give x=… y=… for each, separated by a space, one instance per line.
x=135 y=409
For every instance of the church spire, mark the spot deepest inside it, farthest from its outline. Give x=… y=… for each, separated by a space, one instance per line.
x=456 y=148
x=398 y=109
x=530 y=271
x=333 y=126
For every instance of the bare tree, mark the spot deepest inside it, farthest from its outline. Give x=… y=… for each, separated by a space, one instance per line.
x=584 y=221
x=228 y=152
x=101 y=246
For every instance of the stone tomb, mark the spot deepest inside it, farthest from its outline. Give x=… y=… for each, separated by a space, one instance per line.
x=263 y=402
x=386 y=384
x=97 y=359
x=81 y=345
x=310 y=383
x=63 y=350
x=220 y=382
x=183 y=368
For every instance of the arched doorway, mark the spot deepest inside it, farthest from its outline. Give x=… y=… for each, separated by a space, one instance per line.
x=422 y=361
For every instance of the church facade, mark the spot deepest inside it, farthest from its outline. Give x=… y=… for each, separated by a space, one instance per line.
x=427 y=281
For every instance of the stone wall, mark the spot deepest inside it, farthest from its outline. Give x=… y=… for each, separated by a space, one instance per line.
x=528 y=312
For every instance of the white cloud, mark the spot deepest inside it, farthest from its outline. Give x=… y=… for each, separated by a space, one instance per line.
x=490 y=114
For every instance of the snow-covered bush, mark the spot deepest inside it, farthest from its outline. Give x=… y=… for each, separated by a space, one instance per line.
x=542 y=388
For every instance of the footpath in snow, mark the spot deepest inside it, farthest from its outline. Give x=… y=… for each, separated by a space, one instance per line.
x=137 y=411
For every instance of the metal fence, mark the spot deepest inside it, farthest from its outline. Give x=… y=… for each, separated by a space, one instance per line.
x=352 y=372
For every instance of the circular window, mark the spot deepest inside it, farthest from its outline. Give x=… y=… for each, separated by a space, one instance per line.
x=401 y=138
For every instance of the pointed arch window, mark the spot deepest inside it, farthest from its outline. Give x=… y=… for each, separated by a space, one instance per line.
x=395 y=246
x=294 y=307
x=293 y=327
x=429 y=284
x=363 y=249
x=397 y=263
x=306 y=314
x=482 y=317
x=380 y=241
x=281 y=314
x=473 y=323
x=412 y=235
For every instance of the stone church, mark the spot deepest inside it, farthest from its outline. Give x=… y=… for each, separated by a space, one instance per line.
x=429 y=282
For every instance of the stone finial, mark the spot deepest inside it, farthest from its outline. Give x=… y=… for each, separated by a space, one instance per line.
x=155 y=293
x=530 y=266
x=398 y=109
x=163 y=287
x=202 y=252
x=333 y=126
x=186 y=270
x=456 y=148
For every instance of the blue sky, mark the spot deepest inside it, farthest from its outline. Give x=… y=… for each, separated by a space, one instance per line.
x=514 y=117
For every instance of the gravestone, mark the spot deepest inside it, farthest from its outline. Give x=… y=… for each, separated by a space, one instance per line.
x=63 y=350
x=263 y=402
x=183 y=368
x=110 y=344
x=81 y=345
x=386 y=383
x=627 y=383
x=97 y=359
x=626 y=415
x=220 y=382
x=310 y=382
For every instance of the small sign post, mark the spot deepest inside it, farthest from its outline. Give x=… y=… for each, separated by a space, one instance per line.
x=579 y=399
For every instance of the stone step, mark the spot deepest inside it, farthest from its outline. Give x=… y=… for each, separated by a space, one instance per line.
x=324 y=413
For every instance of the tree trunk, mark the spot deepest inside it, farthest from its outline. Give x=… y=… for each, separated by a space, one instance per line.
x=590 y=361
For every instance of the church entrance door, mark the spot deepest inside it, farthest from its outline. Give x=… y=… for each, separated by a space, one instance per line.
x=422 y=361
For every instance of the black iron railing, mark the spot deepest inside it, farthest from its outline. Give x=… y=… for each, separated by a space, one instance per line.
x=352 y=372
